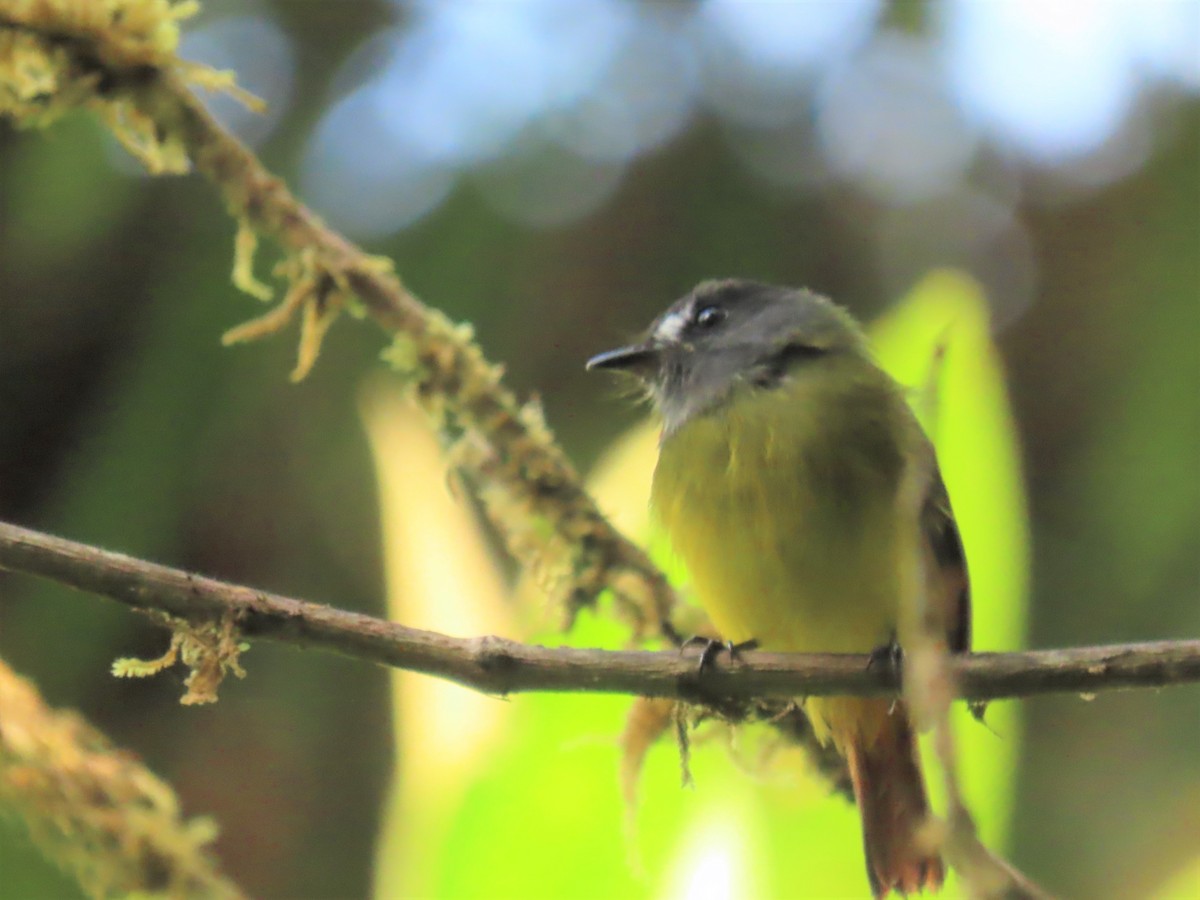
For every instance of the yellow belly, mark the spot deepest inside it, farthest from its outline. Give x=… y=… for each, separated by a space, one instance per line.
x=788 y=532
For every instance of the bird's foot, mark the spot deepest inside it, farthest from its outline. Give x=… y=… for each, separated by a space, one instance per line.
x=888 y=658
x=713 y=648
x=671 y=634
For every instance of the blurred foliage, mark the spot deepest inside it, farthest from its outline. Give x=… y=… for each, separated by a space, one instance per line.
x=123 y=422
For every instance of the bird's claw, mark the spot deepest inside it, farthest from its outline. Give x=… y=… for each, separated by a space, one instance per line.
x=713 y=648
x=888 y=658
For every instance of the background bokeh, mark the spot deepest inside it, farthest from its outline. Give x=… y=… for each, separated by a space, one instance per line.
x=555 y=173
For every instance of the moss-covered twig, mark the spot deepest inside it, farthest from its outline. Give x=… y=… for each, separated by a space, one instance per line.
x=94 y=809
x=117 y=59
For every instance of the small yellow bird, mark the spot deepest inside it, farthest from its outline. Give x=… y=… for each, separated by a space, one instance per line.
x=783 y=451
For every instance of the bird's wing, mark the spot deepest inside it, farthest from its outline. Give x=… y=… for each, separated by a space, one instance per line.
x=941 y=531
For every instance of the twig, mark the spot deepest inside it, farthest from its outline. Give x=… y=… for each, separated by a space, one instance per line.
x=500 y=666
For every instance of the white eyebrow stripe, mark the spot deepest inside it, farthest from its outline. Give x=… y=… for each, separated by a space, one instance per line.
x=671 y=327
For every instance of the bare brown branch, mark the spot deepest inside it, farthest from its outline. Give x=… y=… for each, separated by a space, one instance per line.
x=500 y=666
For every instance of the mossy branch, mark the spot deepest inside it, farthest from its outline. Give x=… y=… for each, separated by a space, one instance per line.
x=94 y=809
x=118 y=60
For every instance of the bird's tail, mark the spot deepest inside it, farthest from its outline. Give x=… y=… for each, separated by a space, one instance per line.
x=891 y=800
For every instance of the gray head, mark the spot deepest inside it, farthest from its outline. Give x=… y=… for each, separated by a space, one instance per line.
x=730 y=334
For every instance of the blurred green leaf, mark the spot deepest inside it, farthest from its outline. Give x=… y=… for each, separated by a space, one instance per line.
x=1183 y=885
x=937 y=342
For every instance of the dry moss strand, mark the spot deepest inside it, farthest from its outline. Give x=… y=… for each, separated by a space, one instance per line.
x=93 y=809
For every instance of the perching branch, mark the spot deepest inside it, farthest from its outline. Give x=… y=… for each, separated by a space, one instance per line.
x=500 y=666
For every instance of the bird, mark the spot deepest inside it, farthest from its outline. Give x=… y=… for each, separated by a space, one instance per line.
x=783 y=452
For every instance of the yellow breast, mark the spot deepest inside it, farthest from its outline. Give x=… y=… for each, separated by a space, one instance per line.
x=784 y=515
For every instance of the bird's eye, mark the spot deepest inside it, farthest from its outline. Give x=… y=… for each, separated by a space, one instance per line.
x=709 y=316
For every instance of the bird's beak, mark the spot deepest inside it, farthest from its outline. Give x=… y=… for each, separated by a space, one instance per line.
x=638 y=359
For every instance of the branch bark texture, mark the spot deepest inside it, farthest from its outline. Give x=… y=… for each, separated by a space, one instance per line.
x=500 y=666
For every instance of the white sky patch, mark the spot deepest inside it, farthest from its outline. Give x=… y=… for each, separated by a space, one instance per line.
x=671 y=327
x=1052 y=77
x=521 y=87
